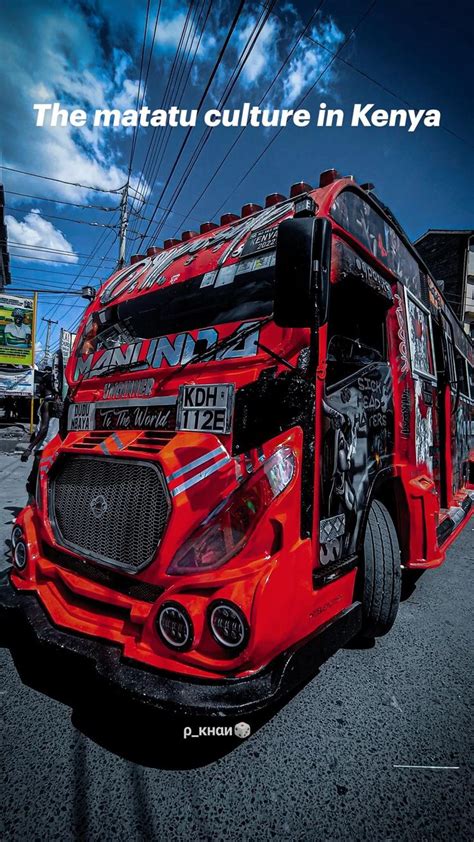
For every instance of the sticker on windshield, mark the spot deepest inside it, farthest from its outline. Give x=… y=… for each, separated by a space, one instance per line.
x=252 y=264
x=261 y=241
x=226 y=275
x=205 y=408
x=208 y=279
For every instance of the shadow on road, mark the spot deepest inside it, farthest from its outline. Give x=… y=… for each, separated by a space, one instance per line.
x=409 y=582
x=15 y=510
x=129 y=729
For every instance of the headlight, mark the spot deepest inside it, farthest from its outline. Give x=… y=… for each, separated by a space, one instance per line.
x=227 y=529
x=228 y=625
x=174 y=626
x=20 y=555
x=17 y=535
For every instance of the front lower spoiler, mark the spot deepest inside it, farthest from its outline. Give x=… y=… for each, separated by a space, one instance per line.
x=20 y=611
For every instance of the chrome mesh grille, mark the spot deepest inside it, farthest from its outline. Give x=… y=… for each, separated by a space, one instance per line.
x=111 y=510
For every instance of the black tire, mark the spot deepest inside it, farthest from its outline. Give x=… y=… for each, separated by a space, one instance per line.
x=381 y=572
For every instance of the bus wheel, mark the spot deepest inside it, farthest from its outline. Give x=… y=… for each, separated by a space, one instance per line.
x=381 y=573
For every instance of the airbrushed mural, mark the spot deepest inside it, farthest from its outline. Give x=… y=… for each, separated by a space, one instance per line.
x=462 y=421
x=355 y=215
x=357 y=442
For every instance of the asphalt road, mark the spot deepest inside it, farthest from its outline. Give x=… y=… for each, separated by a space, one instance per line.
x=325 y=766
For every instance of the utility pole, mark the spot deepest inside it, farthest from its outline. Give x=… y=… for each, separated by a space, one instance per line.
x=123 y=225
x=49 y=322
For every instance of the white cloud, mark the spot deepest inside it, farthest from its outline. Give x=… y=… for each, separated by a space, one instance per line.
x=127 y=97
x=66 y=53
x=311 y=61
x=66 y=65
x=266 y=61
x=39 y=234
x=263 y=57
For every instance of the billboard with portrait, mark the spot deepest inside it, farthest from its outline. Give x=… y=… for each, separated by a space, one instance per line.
x=17 y=319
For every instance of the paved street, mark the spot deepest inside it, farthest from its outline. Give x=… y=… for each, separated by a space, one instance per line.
x=323 y=767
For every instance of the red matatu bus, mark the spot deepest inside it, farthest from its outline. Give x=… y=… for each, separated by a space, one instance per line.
x=266 y=421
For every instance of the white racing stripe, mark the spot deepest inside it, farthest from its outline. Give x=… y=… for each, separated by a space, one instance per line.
x=197 y=462
x=200 y=476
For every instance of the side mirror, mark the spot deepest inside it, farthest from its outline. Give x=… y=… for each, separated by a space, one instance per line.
x=302 y=272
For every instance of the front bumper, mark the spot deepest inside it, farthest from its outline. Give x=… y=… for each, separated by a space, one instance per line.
x=22 y=611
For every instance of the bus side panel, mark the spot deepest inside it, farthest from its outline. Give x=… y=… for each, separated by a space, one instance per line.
x=460 y=444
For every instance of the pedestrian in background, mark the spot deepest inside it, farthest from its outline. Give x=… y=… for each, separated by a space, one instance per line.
x=49 y=413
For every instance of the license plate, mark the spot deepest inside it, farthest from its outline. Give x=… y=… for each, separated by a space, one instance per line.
x=205 y=408
x=81 y=416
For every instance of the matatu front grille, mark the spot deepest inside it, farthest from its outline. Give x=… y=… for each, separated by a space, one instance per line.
x=109 y=510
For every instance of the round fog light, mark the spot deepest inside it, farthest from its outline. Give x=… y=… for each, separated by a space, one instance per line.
x=17 y=535
x=228 y=625
x=19 y=555
x=174 y=626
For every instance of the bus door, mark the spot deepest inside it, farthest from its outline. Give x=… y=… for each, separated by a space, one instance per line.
x=357 y=412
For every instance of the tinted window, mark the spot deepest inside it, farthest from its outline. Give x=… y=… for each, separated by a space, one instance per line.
x=355 y=215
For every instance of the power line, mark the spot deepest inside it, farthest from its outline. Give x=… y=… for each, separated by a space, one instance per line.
x=49 y=291
x=140 y=78
x=62 y=218
x=158 y=143
x=16 y=244
x=153 y=139
x=100 y=243
x=267 y=91
x=370 y=78
x=60 y=201
x=61 y=180
x=42 y=259
x=244 y=56
x=88 y=264
x=36 y=283
x=201 y=101
x=160 y=151
x=47 y=271
x=300 y=103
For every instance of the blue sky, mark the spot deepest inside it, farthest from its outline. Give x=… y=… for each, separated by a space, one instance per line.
x=88 y=54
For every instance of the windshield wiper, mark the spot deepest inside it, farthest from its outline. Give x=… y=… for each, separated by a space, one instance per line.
x=122 y=367
x=220 y=345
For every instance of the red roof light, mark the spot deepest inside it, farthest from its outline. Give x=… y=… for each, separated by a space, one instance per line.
x=327 y=177
x=207 y=226
x=274 y=199
x=298 y=188
x=250 y=208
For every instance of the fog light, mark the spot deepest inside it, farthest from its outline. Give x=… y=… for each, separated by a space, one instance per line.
x=228 y=625
x=19 y=555
x=174 y=626
x=17 y=535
